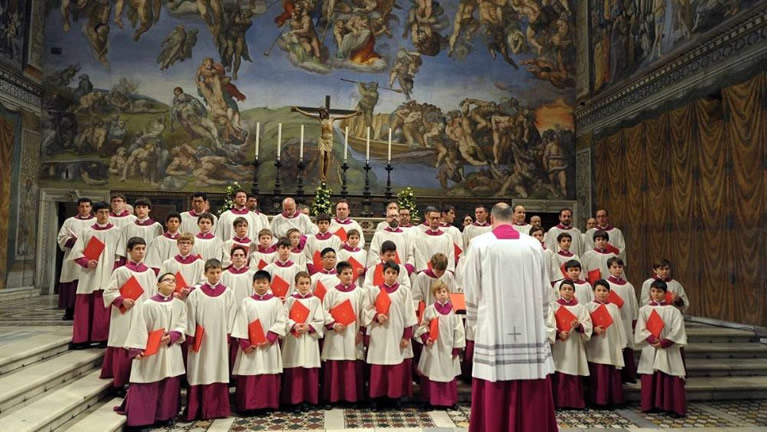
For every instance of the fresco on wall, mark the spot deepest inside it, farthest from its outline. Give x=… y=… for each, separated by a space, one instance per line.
x=148 y=95
x=13 y=21
x=629 y=35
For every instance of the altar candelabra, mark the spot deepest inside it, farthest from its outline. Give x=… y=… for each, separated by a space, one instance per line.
x=389 y=168
x=367 y=210
x=300 y=186
x=344 y=167
x=277 y=198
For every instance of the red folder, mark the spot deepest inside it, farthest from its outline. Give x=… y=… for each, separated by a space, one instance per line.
x=434 y=329
x=279 y=286
x=421 y=310
x=256 y=332
x=344 y=313
x=594 y=275
x=615 y=299
x=396 y=258
x=601 y=317
x=383 y=302
x=93 y=249
x=459 y=301
x=378 y=277
x=341 y=233
x=613 y=249
x=153 y=342
x=669 y=298
x=180 y=282
x=262 y=264
x=655 y=324
x=565 y=319
x=299 y=313
x=562 y=269
x=317 y=260
x=356 y=266
x=320 y=290
x=199 y=333
x=457 y=251
x=131 y=289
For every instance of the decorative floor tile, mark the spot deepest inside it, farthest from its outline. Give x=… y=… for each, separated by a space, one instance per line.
x=460 y=416
x=279 y=421
x=588 y=418
x=196 y=426
x=696 y=418
x=402 y=418
x=750 y=411
x=32 y=311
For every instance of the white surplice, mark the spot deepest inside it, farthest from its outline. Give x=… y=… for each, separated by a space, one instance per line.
x=71 y=230
x=271 y=313
x=629 y=310
x=570 y=355
x=189 y=222
x=673 y=286
x=281 y=224
x=216 y=316
x=97 y=278
x=304 y=350
x=667 y=360
x=385 y=339
x=607 y=348
x=163 y=248
x=119 y=324
x=343 y=346
x=576 y=246
x=437 y=361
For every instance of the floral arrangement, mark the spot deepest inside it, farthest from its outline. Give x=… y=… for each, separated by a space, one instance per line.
x=406 y=199
x=229 y=200
x=322 y=202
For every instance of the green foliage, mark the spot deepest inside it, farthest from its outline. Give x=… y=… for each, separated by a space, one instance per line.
x=322 y=202
x=406 y=199
x=229 y=200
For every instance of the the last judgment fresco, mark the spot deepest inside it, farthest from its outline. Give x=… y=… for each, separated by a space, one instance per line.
x=174 y=95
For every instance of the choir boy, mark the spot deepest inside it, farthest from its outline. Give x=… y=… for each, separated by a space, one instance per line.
x=206 y=244
x=143 y=226
x=283 y=270
x=116 y=362
x=297 y=246
x=568 y=351
x=662 y=270
x=537 y=233
x=300 y=347
x=119 y=216
x=388 y=253
x=562 y=255
x=238 y=276
x=211 y=312
x=596 y=258
x=390 y=317
x=154 y=395
x=431 y=241
x=423 y=282
x=264 y=252
x=342 y=351
x=240 y=239
x=70 y=271
x=439 y=365
x=629 y=312
x=258 y=367
x=583 y=290
x=164 y=247
x=604 y=350
x=661 y=334
x=352 y=249
x=319 y=241
x=327 y=275
x=191 y=267
x=225 y=224
x=199 y=206
x=91 y=320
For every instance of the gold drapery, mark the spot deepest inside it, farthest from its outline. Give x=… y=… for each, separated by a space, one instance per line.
x=690 y=185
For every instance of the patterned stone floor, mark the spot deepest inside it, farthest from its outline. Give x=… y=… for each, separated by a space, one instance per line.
x=32 y=311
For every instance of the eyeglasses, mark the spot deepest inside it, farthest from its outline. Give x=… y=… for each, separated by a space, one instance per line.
x=168 y=280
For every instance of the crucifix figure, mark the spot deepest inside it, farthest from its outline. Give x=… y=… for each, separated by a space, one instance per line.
x=326 y=116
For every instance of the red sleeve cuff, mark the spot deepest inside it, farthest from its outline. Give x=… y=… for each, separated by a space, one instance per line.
x=134 y=352
x=665 y=343
x=271 y=337
x=410 y=268
x=118 y=301
x=70 y=243
x=408 y=333
x=244 y=344
x=425 y=337
x=651 y=339
x=456 y=351
x=174 y=336
x=330 y=326
x=82 y=261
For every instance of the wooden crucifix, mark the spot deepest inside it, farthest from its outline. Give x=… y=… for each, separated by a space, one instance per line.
x=326 y=116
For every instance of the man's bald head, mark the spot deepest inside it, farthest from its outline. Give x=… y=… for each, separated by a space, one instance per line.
x=288 y=207
x=501 y=213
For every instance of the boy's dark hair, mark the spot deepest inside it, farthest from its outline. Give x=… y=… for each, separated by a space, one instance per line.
x=615 y=260
x=430 y=209
x=116 y=195
x=603 y=283
x=535 y=229
x=388 y=246
x=84 y=199
x=390 y=265
x=323 y=217
x=563 y=235
x=284 y=242
x=239 y=220
x=238 y=247
x=202 y=195
x=567 y=282
x=134 y=241
x=250 y=195
x=100 y=205
x=162 y=276
x=343 y=265
x=302 y=274
x=326 y=250
x=661 y=262
x=438 y=261
x=601 y=234
x=262 y=275
x=212 y=264
x=573 y=264
x=446 y=209
x=207 y=216
x=353 y=232
x=659 y=284
x=172 y=215
x=143 y=201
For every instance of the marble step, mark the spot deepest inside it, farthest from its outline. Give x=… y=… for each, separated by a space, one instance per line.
x=700 y=367
x=56 y=408
x=719 y=335
x=26 y=383
x=714 y=388
x=25 y=347
x=100 y=418
x=725 y=350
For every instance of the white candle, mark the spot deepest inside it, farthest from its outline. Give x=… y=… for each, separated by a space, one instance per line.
x=279 y=139
x=301 y=148
x=258 y=132
x=367 y=145
x=346 y=142
x=388 y=158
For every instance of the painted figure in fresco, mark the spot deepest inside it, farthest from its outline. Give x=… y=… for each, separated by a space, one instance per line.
x=459 y=130
x=97 y=28
x=325 y=140
x=355 y=39
x=465 y=22
x=220 y=95
x=555 y=161
x=231 y=42
x=191 y=114
x=64 y=9
x=481 y=113
x=118 y=162
x=451 y=169
x=303 y=32
x=659 y=14
x=92 y=138
x=84 y=87
x=555 y=73
x=406 y=66
x=502 y=126
x=367 y=103
x=177 y=46
x=423 y=22
x=182 y=161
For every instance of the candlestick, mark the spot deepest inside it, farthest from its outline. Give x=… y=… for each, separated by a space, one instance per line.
x=346 y=141
x=277 y=198
x=256 y=164
x=258 y=137
x=366 y=202
x=388 y=157
x=279 y=139
x=367 y=145
x=301 y=145
x=300 y=189
x=389 y=168
x=344 y=167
